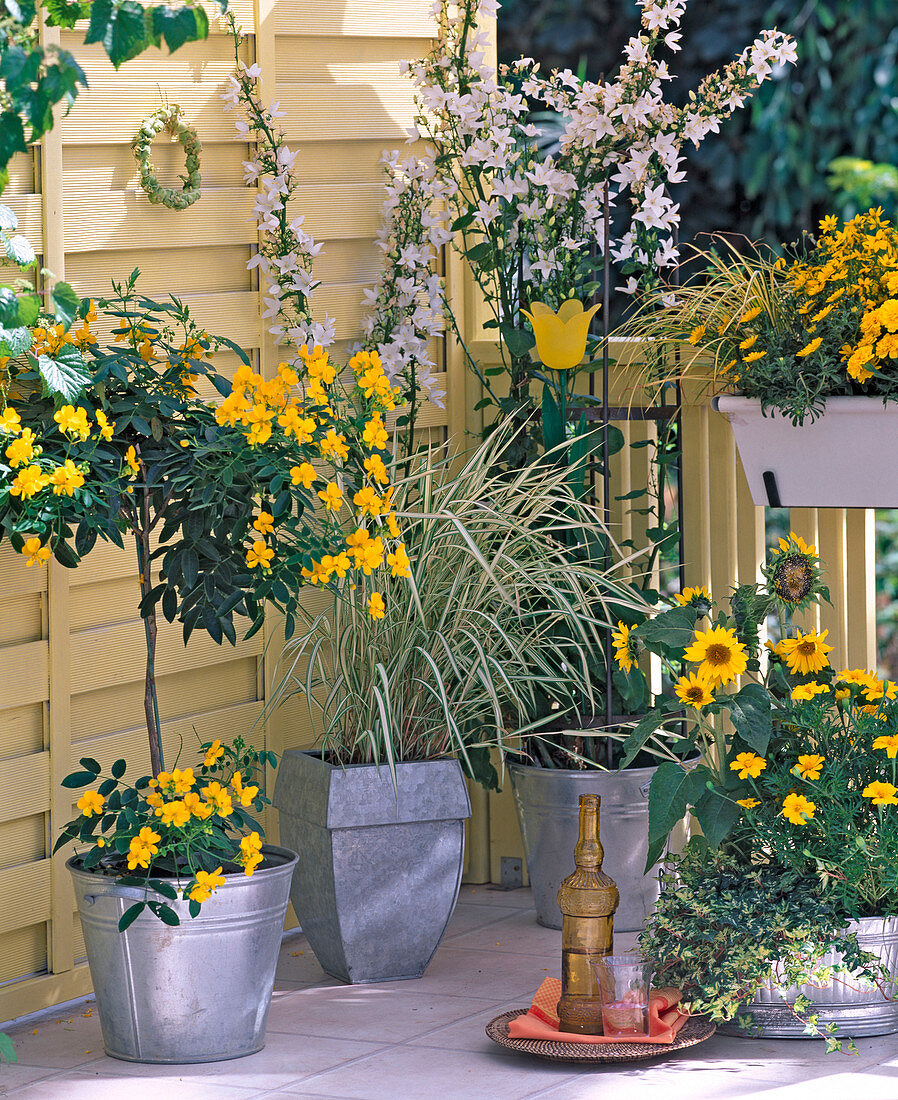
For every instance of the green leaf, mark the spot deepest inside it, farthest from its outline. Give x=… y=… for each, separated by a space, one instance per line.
x=553 y=433
x=119 y=26
x=179 y=25
x=518 y=341
x=7 y=1050
x=67 y=375
x=19 y=250
x=637 y=738
x=668 y=802
x=130 y=915
x=118 y=768
x=15 y=341
x=164 y=888
x=9 y=306
x=65 y=303
x=716 y=815
x=65 y=13
x=8 y=219
x=750 y=713
x=29 y=309
x=90 y=764
x=671 y=630
x=165 y=913
x=12 y=137
x=79 y=779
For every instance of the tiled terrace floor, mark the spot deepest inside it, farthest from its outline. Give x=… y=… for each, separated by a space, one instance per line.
x=424 y=1040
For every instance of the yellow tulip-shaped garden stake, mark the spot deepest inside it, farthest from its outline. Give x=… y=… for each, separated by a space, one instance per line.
x=560 y=343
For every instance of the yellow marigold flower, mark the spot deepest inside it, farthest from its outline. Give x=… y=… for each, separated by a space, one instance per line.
x=804 y=692
x=73 y=422
x=10 y=421
x=66 y=479
x=806 y=652
x=748 y=764
x=173 y=813
x=107 y=426
x=624 y=652
x=752 y=357
x=694 y=690
x=748 y=342
x=213 y=753
x=28 y=482
x=810 y=348
x=720 y=655
x=751 y=314
x=303 y=475
x=333 y=445
x=809 y=767
x=399 y=562
x=35 y=553
x=332 y=495
x=259 y=556
x=882 y=794
x=90 y=803
x=690 y=596
x=887 y=314
x=376 y=608
x=748 y=803
x=797 y=809
x=131 y=461
x=889 y=742
x=207 y=882
x=264 y=523
x=21 y=450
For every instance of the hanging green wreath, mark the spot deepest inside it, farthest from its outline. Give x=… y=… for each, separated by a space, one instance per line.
x=169 y=119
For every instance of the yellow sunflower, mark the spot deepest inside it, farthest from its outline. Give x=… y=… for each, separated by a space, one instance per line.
x=806 y=652
x=623 y=647
x=694 y=690
x=720 y=655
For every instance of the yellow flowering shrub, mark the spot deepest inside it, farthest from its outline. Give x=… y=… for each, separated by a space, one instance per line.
x=176 y=834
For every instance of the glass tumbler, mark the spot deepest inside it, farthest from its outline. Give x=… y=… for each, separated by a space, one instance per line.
x=624 y=982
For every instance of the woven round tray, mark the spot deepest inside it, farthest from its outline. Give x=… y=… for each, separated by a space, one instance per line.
x=695 y=1030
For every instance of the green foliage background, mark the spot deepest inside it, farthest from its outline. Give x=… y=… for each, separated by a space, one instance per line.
x=765 y=173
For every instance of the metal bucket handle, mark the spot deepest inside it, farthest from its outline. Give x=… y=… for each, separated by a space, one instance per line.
x=131 y=893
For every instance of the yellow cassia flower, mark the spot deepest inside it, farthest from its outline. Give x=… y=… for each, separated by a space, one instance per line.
x=720 y=655
x=34 y=552
x=90 y=803
x=207 y=882
x=809 y=767
x=748 y=764
x=303 y=475
x=10 y=421
x=173 y=813
x=259 y=556
x=560 y=337
x=797 y=809
x=399 y=562
x=889 y=742
x=214 y=751
x=332 y=495
x=376 y=607
x=694 y=690
x=264 y=523
x=882 y=794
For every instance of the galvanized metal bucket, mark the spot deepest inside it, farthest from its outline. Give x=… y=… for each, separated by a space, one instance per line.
x=381 y=866
x=547 y=801
x=858 y=1007
x=196 y=992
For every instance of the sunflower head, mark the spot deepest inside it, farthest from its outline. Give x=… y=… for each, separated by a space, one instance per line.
x=793 y=574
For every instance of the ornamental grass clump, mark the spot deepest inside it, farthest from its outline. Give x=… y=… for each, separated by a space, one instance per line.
x=790 y=332
x=494 y=617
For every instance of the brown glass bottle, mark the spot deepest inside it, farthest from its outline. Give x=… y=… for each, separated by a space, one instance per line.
x=587 y=900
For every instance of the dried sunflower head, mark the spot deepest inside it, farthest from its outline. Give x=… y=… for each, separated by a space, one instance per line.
x=793 y=574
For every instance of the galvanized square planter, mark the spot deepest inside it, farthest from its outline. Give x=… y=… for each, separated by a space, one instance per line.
x=379 y=868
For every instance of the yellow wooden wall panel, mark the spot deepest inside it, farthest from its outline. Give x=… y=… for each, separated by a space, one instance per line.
x=24 y=676
x=23 y=954
x=203 y=269
x=23 y=840
x=16 y=578
x=22 y=729
x=24 y=895
x=20 y=619
x=351 y=18
x=24 y=786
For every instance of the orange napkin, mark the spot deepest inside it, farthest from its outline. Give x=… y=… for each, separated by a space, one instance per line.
x=541 y=1021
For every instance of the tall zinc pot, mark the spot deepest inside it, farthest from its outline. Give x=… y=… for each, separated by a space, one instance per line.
x=196 y=992
x=381 y=865
x=858 y=1007
x=547 y=801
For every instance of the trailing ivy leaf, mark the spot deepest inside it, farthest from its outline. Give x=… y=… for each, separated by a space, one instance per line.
x=19 y=250
x=130 y=915
x=65 y=303
x=15 y=341
x=67 y=375
x=119 y=26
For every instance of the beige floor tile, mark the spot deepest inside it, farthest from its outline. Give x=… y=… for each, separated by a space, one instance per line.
x=379 y=1014
x=15 y=1077
x=486 y=975
x=488 y=895
x=518 y=934
x=286 y=1060
x=77 y=1085
x=59 y=1040
x=469 y=1033
x=417 y=1073
x=468 y=917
